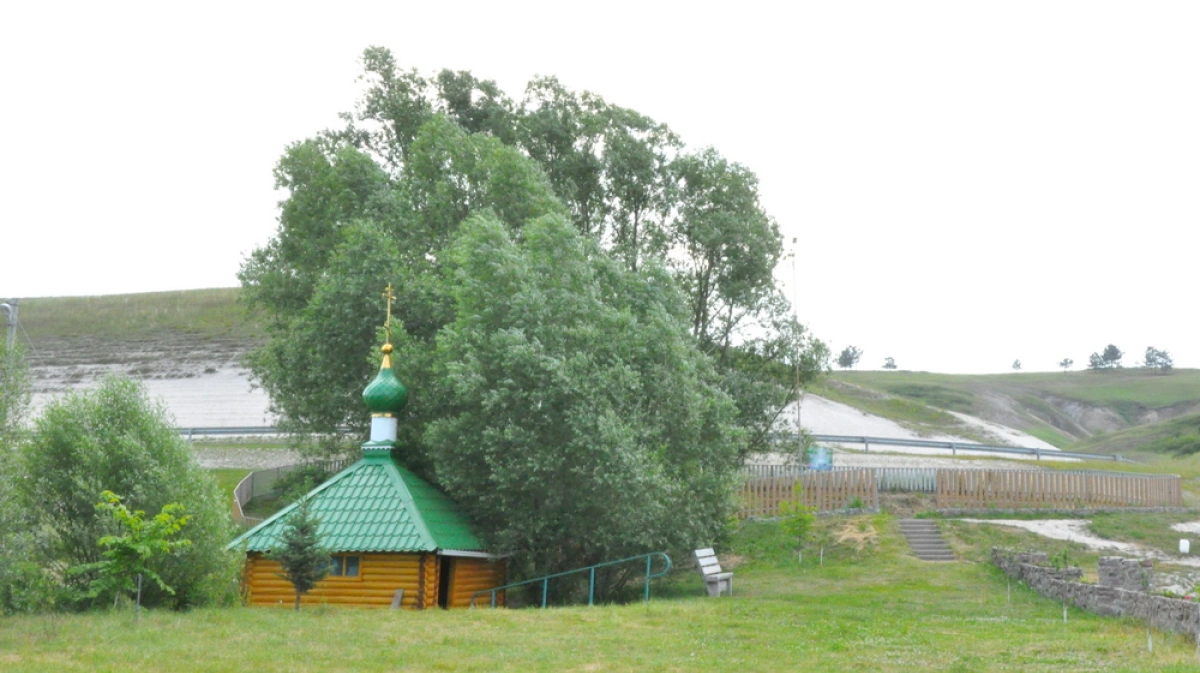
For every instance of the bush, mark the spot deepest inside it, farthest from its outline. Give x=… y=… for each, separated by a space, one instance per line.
x=298 y=482
x=115 y=439
x=1183 y=445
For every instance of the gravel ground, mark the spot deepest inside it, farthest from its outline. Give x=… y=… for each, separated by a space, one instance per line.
x=859 y=459
x=246 y=459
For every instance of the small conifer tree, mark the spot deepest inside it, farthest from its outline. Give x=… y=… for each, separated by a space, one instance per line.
x=303 y=559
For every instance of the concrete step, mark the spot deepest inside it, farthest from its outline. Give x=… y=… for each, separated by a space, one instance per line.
x=926 y=540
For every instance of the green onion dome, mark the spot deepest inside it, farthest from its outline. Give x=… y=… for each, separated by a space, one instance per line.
x=385 y=395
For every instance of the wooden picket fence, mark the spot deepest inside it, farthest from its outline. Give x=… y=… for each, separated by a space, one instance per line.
x=1055 y=489
x=960 y=488
x=825 y=491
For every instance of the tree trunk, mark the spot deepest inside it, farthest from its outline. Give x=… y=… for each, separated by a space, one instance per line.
x=297 y=601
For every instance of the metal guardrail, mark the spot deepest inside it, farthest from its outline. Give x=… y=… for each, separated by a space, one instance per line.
x=955 y=447
x=201 y=432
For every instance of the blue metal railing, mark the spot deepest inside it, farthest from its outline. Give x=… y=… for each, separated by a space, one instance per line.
x=591 y=570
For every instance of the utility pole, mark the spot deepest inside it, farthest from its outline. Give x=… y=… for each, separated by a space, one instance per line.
x=10 y=308
x=799 y=391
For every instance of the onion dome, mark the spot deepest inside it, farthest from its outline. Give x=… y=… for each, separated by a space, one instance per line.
x=385 y=395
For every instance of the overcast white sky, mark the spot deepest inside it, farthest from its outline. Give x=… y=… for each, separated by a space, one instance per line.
x=970 y=183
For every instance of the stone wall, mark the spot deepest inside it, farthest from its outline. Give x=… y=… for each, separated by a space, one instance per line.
x=1123 y=573
x=1121 y=592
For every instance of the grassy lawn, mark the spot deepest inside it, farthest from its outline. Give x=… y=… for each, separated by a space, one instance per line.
x=228 y=479
x=874 y=609
x=1150 y=530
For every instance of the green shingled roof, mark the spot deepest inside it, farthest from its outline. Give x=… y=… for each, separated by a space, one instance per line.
x=375 y=505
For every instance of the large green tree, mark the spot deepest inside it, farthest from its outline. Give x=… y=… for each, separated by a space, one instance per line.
x=419 y=154
x=384 y=198
x=579 y=422
x=318 y=281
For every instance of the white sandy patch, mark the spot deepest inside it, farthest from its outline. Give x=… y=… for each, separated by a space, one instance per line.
x=1075 y=530
x=221 y=399
x=822 y=416
x=1005 y=434
x=1071 y=530
x=1187 y=527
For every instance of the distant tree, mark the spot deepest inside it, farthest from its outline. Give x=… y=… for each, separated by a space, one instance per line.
x=889 y=363
x=849 y=357
x=1156 y=359
x=1109 y=359
x=304 y=561
x=1016 y=365
x=1112 y=356
x=1066 y=363
x=1165 y=363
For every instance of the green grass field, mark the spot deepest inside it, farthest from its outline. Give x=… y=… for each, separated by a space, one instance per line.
x=228 y=479
x=214 y=312
x=958 y=391
x=878 y=609
x=1174 y=435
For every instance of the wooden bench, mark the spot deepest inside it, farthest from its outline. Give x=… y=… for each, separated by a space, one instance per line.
x=715 y=580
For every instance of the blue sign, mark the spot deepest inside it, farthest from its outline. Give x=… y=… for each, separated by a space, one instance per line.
x=819 y=458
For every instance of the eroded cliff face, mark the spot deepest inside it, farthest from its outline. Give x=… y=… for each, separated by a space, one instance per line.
x=1167 y=413
x=1071 y=418
x=1091 y=419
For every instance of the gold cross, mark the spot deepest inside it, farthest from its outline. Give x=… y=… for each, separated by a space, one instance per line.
x=390 y=295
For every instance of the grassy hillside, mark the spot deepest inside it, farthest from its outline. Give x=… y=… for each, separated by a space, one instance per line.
x=213 y=313
x=1173 y=436
x=150 y=328
x=876 y=608
x=1061 y=408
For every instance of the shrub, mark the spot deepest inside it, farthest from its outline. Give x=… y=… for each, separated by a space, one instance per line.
x=115 y=439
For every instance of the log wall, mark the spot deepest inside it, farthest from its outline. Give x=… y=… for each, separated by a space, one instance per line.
x=379 y=577
x=475 y=574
